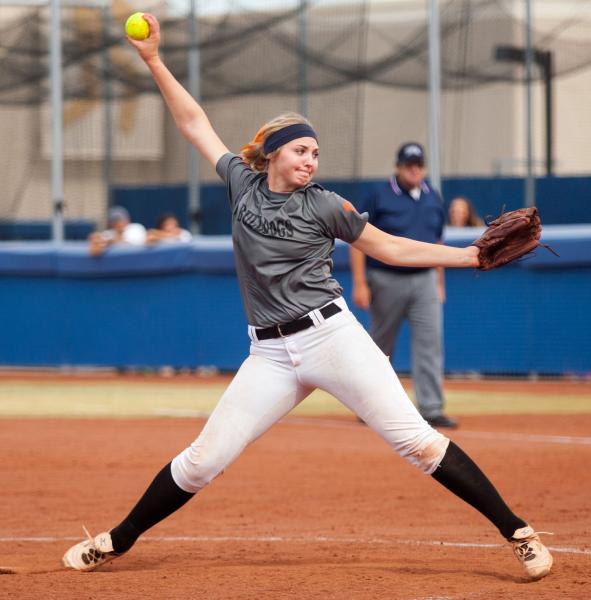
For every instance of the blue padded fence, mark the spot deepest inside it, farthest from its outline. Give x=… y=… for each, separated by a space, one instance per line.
x=179 y=306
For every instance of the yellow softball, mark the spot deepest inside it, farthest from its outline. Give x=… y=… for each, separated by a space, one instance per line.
x=136 y=27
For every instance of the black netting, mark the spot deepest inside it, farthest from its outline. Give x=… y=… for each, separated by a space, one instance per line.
x=261 y=53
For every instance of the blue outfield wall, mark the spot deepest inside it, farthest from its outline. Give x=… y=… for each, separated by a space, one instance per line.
x=180 y=306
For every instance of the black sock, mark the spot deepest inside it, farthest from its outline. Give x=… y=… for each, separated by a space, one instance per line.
x=161 y=499
x=461 y=476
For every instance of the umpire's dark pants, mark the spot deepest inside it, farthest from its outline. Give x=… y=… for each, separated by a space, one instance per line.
x=414 y=297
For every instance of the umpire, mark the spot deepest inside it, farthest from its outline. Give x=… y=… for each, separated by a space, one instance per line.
x=406 y=205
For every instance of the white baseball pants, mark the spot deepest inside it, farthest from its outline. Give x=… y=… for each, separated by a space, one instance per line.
x=336 y=355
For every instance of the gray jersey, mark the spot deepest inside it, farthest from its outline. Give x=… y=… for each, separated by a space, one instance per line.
x=283 y=243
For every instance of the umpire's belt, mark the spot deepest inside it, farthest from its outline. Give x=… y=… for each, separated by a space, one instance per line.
x=275 y=331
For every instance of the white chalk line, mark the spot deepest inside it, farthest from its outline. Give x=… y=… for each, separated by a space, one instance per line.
x=274 y=539
x=528 y=437
x=499 y=436
x=336 y=423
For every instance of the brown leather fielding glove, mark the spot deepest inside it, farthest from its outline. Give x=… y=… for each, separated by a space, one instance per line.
x=509 y=237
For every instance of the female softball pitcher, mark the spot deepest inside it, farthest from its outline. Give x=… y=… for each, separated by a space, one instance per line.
x=302 y=333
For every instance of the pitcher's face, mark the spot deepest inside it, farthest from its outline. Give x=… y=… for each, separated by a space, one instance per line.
x=295 y=163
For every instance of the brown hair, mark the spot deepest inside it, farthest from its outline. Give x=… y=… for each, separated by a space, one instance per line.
x=252 y=153
x=473 y=220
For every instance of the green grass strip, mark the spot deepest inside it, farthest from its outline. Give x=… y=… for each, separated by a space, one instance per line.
x=137 y=399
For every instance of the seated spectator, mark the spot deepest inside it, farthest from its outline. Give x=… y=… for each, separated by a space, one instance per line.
x=168 y=230
x=462 y=214
x=120 y=231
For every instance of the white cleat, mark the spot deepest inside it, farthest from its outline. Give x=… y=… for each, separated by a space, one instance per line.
x=531 y=553
x=90 y=553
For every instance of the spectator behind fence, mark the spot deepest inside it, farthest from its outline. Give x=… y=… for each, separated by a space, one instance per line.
x=121 y=231
x=461 y=213
x=168 y=230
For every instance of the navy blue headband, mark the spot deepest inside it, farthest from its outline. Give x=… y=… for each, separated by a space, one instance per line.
x=287 y=134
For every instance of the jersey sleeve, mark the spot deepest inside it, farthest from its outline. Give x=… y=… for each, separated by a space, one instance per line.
x=339 y=218
x=235 y=174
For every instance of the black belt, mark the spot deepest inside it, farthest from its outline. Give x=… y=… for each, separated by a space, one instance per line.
x=275 y=331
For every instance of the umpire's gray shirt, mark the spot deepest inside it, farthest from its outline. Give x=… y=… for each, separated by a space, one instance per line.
x=283 y=243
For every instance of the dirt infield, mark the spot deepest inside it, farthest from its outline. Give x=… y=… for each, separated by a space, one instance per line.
x=317 y=508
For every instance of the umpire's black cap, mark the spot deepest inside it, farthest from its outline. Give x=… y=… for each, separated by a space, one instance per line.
x=411 y=153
